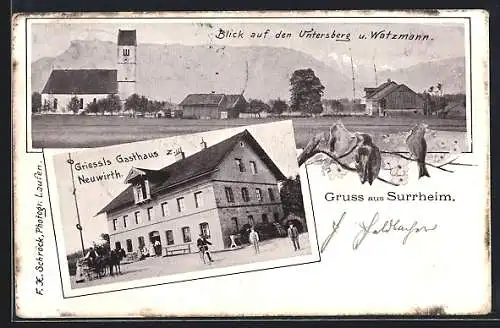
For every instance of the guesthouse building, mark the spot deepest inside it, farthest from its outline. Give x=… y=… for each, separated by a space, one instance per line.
x=213 y=106
x=391 y=98
x=215 y=192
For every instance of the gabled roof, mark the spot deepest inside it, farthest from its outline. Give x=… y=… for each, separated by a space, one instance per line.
x=81 y=81
x=208 y=99
x=200 y=164
x=231 y=100
x=127 y=38
x=372 y=91
x=211 y=99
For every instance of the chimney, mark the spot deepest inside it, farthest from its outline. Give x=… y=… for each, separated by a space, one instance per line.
x=178 y=154
x=203 y=144
x=389 y=80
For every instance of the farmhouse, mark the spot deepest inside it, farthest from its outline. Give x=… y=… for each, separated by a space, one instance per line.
x=90 y=85
x=453 y=110
x=213 y=106
x=391 y=98
x=214 y=192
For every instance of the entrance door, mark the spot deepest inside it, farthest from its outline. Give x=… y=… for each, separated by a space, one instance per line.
x=154 y=238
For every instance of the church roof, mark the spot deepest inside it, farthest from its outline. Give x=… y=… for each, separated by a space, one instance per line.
x=200 y=164
x=81 y=81
x=127 y=38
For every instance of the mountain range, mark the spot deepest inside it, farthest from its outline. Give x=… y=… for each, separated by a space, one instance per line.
x=170 y=72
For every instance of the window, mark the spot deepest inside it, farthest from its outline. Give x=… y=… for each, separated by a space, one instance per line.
x=150 y=213
x=126 y=52
x=115 y=221
x=245 y=195
x=95 y=100
x=81 y=103
x=265 y=219
x=204 y=229
x=141 y=242
x=170 y=237
x=141 y=191
x=251 y=220
x=186 y=234
x=125 y=219
x=276 y=216
x=229 y=195
x=258 y=194
x=180 y=204
x=137 y=217
x=271 y=194
x=118 y=245
x=253 y=167
x=198 y=199
x=164 y=209
x=239 y=164
x=236 y=227
x=55 y=103
x=129 y=245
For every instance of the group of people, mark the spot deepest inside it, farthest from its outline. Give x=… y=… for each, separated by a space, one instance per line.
x=292 y=232
x=98 y=261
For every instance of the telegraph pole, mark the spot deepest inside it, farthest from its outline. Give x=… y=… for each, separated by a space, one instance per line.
x=353 y=79
x=78 y=225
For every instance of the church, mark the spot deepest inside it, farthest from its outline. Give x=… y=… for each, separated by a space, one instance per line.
x=90 y=85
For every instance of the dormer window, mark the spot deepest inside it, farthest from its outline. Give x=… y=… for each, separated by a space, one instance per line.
x=141 y=191
x=140 y=185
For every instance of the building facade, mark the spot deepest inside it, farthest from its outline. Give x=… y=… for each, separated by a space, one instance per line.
x=391 y=98
x=91 y=85
x=214 y=192
x=213 y=106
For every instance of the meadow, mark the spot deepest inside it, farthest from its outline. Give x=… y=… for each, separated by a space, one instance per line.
x=69 y=131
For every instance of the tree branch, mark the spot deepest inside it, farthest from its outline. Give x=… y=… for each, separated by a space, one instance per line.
x=414 y=160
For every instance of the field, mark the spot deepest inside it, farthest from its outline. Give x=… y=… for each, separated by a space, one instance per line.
x=68 y=131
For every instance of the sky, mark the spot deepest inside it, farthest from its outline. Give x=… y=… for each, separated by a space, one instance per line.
x=446 y=40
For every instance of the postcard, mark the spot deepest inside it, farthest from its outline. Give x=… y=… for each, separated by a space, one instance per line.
x=371 y=129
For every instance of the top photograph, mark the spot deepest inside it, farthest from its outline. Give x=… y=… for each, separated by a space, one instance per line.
x=97 y=82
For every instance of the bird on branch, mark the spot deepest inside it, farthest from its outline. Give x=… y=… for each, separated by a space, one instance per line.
x=368 y=159
x=418 y=147
x=338 y=142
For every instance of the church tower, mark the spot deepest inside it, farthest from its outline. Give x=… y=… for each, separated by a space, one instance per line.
x=126 y=63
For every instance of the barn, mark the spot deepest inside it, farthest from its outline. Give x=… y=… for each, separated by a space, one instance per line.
x=213 y=106
x=454 y=110
x=391 y=98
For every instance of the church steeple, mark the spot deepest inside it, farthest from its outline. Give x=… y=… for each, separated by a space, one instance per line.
x=126 y=63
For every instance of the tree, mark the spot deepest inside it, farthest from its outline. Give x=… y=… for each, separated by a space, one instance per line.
x=112 y=104
x=133 y=102
x=306 y=91
x=74 y=104
x=291 y=197
x=278 y=106
x=257 y=106
x=36 y=102
x=92 y=107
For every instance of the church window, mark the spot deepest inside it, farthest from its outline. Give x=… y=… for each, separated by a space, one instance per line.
x=126 y=52
x=55 y=103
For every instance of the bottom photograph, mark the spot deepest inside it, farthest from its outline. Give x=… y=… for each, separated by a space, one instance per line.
x=180 y=208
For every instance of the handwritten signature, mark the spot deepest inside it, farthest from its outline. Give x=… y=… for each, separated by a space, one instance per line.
x=372 y=228
x=387 y=227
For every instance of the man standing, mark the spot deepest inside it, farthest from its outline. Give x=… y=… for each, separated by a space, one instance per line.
x=202 y=244
x=253 y=237
x=293 y=233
